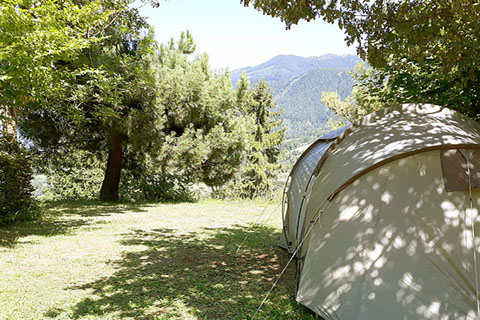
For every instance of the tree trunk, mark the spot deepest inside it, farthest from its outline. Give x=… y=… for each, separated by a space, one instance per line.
x=109 y=190
x=9 y=117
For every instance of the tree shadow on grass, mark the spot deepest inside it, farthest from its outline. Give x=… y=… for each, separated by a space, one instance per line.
x=195 y=275
x=63 y=218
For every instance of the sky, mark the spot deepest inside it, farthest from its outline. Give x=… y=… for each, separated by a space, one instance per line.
x=235 y=36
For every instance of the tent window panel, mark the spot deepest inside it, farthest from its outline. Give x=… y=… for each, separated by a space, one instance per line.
x=455 y=171
x=474 y=157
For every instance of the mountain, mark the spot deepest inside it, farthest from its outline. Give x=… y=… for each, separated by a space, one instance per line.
x=285 y=67
x=300 y=99
x=298 y=83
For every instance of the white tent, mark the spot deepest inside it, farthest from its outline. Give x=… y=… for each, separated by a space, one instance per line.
x=299 y=180
x=381 y=214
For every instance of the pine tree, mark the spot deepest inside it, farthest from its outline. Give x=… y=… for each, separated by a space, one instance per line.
x=261 y=166
x=206 y=133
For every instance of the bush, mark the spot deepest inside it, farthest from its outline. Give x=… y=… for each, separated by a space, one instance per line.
x=254 y=180
x=150 y=185
x=73 y=175
x=16 y=199
x=78 y=175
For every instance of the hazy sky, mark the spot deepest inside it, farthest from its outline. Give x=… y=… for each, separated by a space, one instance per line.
x=235 y=36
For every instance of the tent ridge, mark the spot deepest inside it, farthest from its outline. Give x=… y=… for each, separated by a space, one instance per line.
x=332 y=147
x=400 y=156
x=306 y=152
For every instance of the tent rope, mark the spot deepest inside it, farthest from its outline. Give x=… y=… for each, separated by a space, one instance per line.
x=473 y=237
x=314 y=222
x=256 y=222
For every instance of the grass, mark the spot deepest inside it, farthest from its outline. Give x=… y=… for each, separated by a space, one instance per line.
x=89 y=260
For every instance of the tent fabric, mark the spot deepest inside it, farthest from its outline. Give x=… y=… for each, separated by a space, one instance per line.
x=334 y=134
x=393 y=240
x=300 y=178
x=393 y=248
x=298 y=187
x=388 y=134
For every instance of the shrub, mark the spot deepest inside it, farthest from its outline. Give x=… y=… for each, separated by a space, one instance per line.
x=78 y=175
x=16 y=199
x=73 y=175
x=151 y=185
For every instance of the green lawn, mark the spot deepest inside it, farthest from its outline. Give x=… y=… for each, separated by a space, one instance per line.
x=164 y=261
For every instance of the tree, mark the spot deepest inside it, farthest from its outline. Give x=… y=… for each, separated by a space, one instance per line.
x=160 y=110
x=410 y=82
x=426 y=51
x=360 y=103
x=71 y=174
x=109 y=102
x=421 y=29
x=206 y=134
x=34 y=37
x=117 y=109
x=260 y=167
x=16 y=201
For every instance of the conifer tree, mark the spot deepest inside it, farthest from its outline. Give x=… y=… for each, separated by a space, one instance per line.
x=261 y=166
x=206 y=133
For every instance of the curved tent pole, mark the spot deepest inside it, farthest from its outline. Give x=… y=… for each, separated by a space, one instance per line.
x=295 y=166
x=284 y=207
x=289 y=178
x=297 y=271
x=301 y=203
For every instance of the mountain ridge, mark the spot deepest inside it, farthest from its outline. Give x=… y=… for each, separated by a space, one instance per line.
x=298 y=84
x=283 y=67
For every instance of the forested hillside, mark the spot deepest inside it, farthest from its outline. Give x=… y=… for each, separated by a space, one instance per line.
x=298 y=83
x=300 y=99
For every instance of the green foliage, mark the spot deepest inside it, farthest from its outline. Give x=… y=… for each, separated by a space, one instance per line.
x=37 y=38
x=301 y=100
x=77 y=175
x=304 y=114
x=260 y=167
x=111 y=102
x=205 y=133
x=72 y=174
x=424 y=51
x=356 y=106
x=403 y=81
x=298 y=83
x=127 y=98
x=16 y=200
x=167 y=109
x=148 y=184
x=419 y=30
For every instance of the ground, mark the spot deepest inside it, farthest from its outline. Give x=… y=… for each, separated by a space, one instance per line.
x=89 y=260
